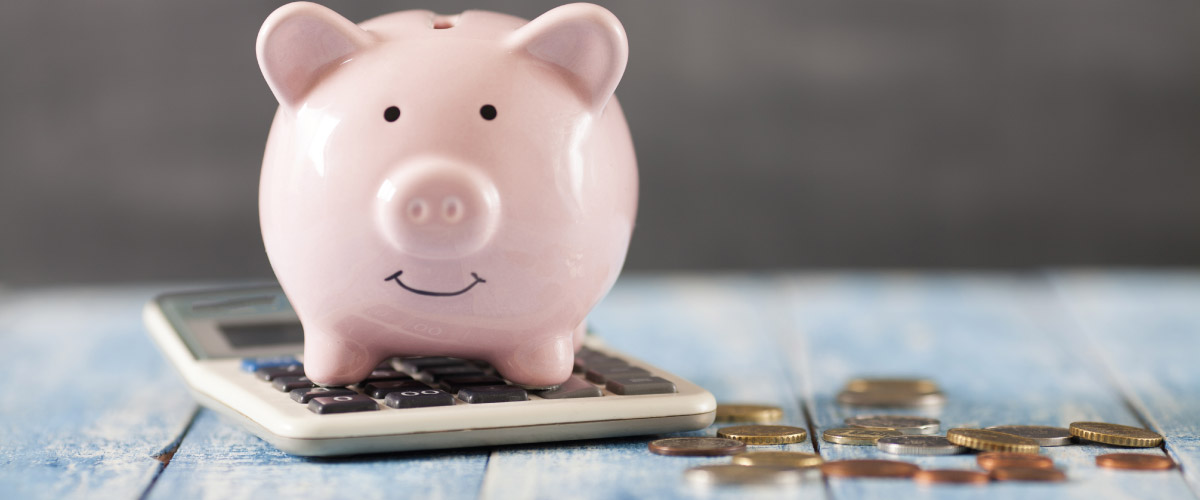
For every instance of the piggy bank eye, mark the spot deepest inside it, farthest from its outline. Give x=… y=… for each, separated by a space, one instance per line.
x=391 y=114
x=488 y=112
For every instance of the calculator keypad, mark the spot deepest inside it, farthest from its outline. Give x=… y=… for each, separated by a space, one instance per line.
x=421 y=382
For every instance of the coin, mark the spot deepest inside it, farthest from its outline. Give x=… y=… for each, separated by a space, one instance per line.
x=697 y=446
x=741 y=474
x=918 y=445
x=869 y=468
x=764 y=434
x=879 y=399
x=857 y=436
x=1120 y=435
x=903 y=424
x=1000 y=460
x=793 y=459
x=1135 y=461
x=1043 y=434
x=985 y=440
x=759 y=414
x=1028 y=474
x=947 y=476
x=906 y=385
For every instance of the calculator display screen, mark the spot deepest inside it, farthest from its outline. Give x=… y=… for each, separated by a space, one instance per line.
x=263 y=334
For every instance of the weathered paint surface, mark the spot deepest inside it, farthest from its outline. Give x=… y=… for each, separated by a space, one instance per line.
x=1108 y=346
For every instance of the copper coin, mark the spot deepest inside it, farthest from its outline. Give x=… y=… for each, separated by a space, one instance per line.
x=1028 y=474
x=869 y=468
x=1001 y=460
x=1134 y=461
x=697 y=446
x=951 y=477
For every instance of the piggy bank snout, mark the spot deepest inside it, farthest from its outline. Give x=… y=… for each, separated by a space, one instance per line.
x=437 y=209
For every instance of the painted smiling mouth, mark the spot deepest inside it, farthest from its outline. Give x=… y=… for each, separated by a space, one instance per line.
x=396 y=278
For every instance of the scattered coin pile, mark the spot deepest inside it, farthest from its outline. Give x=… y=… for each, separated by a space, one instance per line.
x=1008 y=452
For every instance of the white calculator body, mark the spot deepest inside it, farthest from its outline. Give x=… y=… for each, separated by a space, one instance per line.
x=238 y=350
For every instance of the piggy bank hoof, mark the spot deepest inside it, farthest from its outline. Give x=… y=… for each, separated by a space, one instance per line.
x=543 y=364
x=335 y=364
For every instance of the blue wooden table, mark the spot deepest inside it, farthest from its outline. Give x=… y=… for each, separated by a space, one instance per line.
x=94 y=411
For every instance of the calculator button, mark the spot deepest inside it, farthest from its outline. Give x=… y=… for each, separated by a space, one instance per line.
x=574 y=387
x=601 y=374
x=453 y=384
x=492 y=394
x=253 y=364
x=385 y=374
x=418 y=398
x=602 y=361
x=270 y=373
x=633 y=386
x=289 y=384
x=414 y=365
x=444 y=372
x=305 y=394
x=385 y=364
x=381 y=389
x=341 y=404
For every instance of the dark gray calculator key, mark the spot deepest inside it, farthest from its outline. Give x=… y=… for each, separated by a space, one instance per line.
x=382 y=388
x=601 y=374
x=270 y=373
x=417 y=364
x=418 y=398
x=384 y=374
x=289 y=384
x=385 y=364
x=605 y=361
x=444 y=372
x=453 y=384
x=305 y=394
x=492 y=394
x=580 y=365
x=341 y=404
x=574 y=387
x=633 y=386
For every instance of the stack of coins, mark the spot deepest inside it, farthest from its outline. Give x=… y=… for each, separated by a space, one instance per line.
x=891 y=393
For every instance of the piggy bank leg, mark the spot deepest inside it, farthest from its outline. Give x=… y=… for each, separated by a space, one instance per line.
x=546 y=362
x=334 y=362
x=580 y=331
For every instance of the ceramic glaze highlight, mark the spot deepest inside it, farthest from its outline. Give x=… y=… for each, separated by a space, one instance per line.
x=445 y=185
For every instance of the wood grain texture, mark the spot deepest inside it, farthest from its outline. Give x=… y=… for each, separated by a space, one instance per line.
x=715 y=332
x=95 y=403
x=1144 y=327
x=997 y=346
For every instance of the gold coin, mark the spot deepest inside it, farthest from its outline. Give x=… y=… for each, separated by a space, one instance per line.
x=741 y=474
x=986 y=440
x=906 y=385
x=857 y=436
x=759 y=414
x=793 y=459
x=764 y=434
x=879 y=399
x=1133 y=461
x=1120 y=435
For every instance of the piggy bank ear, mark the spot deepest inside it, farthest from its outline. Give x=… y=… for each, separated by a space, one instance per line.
x=584 y=39
x=299 y=42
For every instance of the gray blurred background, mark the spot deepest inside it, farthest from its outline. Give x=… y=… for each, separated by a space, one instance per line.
x=799 y=134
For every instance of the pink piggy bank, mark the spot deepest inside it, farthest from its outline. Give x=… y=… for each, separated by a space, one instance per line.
x=457 y=185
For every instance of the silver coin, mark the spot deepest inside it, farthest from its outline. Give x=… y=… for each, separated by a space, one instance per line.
x=902 y=423
x=1044 y=435
x=713 y=475
x=878 y=399
x=918 y=445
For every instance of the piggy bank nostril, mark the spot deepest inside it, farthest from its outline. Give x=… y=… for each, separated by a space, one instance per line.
x=417 y=210
x=452 y=209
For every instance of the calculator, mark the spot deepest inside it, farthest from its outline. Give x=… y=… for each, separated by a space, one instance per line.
x=239 y=352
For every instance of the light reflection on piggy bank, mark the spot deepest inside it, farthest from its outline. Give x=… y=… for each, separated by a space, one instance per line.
x=445 y=185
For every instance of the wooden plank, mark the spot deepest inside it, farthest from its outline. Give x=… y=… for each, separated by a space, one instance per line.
x=1145 y=328
x=715 y=332
x=92 y=402
x=996 y=345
